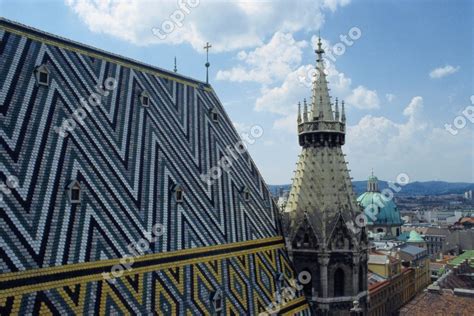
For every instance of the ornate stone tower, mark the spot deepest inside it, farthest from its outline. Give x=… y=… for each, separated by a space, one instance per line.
x=322 y=235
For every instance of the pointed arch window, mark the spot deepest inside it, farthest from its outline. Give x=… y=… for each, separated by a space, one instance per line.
x=217 y=301
x=74 y=192
x=339 y=282
x=306 y=239
x=42 y=75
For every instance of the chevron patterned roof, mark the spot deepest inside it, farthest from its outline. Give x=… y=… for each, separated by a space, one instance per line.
x=128 y=159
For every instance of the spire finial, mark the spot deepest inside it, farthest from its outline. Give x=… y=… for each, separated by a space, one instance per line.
x=207 y=61
x=337 y=110
x=299 y=112
x=175 y=67
x=305 y=110
x=320 y=50
x=343 y=114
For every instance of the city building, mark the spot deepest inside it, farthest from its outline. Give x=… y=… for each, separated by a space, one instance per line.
x=416 y=258
x=436 y=269
x=389 y=295
x=114 y=213
x=381 y=213
x=441 y=217
x=451 y=294
x=436 y=240
x=466 y=222
x=396 y=275
x=384 y=265
x=323 y=239
x=468 y=195
x=415 y=239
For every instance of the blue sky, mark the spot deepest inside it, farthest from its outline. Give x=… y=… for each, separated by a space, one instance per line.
x=409 y=73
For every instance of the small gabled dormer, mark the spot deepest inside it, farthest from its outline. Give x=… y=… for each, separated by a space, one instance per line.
x=74 y=192
x=214 y=115
x=145 y=99
x=42 y=75
x=245 y=193
x=178 y=194
x=217 y=300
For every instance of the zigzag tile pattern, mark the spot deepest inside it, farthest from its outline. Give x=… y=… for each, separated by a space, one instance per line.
x=158 y=283
x=128 y=159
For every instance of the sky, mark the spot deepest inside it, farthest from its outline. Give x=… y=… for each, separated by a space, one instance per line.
x=404 y=68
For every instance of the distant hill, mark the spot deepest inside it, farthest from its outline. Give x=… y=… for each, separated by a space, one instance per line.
x=412 y=189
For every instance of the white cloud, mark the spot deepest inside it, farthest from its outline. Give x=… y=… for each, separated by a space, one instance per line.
x=414 y=107
x=267 y=63
x=441 y=72
x=283 y=99
x=390 y=97
x=240 y=24
x=363 y=98
x=414 y=147
x=333 y=4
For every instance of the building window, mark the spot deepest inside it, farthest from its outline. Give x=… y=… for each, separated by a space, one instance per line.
x=339 y=282
x=246 y=194
x=214 y=115
x=74 y=192
x=179 y=194
x=42 y=75
x=306 y=240
x=217 y=301
x=145 y=99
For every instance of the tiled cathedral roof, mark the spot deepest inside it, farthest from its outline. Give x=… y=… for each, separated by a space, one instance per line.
x=154 y=133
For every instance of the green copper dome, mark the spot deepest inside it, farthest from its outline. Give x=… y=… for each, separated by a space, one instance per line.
x=387 y=213
x=373 y=178
x=415 y=237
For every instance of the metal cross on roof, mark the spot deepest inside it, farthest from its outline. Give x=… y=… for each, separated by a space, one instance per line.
x=207 y=61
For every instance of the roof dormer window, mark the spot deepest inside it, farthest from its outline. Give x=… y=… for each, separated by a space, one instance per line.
x=74 y=192
x=42 y=75
x=178 y=194
x=145 y=99
x=214 y=115
x=246 y=194
x=217 y=301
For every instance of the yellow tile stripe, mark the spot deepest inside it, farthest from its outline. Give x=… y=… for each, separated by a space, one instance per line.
x=298 y=309
x=98 y=55
x=97 y=277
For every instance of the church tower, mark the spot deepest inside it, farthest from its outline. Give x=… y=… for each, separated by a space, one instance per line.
x=322 y=236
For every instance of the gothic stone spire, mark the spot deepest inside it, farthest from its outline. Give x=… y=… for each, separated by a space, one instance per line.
x=323 y=237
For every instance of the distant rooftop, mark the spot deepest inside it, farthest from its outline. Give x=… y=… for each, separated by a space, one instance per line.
x=451 y=294
x=412 y=250
x=467 y=255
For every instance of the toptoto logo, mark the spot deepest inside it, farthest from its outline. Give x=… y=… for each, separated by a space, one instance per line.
x=176 y=18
